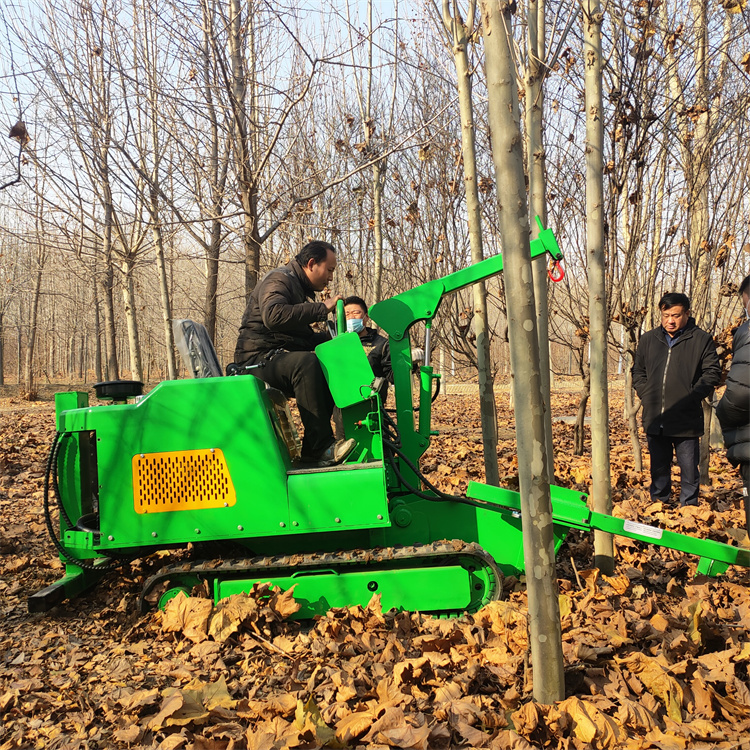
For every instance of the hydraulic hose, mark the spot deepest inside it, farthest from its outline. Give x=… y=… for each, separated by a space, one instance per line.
x=51 y=471
x=439 y=496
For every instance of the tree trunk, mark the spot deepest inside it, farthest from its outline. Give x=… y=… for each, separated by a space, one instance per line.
x=536 y=157
x=240 y=31
x=128 y=296
x=2 y=350
x=700 y=165
x=166 y=305
x=579 y=434
x=631 y=407
x=19 y=352
x=28 y=383
x=218 y=181
x=97 y=335
x=536 y=512
x=377 y=210
x=601 y=486
x=487 y=405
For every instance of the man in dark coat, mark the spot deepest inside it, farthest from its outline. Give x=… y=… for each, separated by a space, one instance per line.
x=276 y=333
x=733 y=410
x=676 y=367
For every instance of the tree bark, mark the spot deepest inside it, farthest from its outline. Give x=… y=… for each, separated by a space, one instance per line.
x=579 y=433
x=536 y=158
x=166 y=304
x=457 y=32
x=112 y=367
x=536 y=512
x=240 y=34
x=28 y=382
x=601 y=486
x=128 y=296
x=2 y=348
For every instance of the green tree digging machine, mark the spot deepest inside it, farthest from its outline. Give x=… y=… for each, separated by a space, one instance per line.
x=211 y=459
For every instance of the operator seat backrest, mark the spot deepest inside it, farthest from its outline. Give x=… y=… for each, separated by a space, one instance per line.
x=196 y=349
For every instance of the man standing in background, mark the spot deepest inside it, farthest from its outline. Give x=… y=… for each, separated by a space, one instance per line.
x=676 y=366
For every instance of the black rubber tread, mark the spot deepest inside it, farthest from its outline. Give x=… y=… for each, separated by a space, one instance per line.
x=304 y=561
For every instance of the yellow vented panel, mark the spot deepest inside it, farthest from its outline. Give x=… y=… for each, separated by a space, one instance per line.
x=181 y=480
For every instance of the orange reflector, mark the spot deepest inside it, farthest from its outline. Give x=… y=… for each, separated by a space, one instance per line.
x=181 y=480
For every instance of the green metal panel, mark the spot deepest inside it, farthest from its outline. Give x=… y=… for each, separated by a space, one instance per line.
x=346 y=368
x=231 y=414
x=345 y=497
x=69 y=400
x=415 y=589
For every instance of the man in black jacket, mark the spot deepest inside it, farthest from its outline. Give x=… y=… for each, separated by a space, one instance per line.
x=676 y=367
x=733 y=410
x=276 y=333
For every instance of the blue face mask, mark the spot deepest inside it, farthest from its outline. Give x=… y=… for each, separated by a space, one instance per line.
x=355 y=324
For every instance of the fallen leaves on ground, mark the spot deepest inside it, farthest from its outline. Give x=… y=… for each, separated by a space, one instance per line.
x=654 y=656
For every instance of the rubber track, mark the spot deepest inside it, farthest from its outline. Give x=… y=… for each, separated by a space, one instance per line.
x=288 y=563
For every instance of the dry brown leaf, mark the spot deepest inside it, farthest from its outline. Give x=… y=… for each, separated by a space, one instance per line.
x=129 y=734
x=139 y=698
x=354 y=725
x=590 y=725
x=170 y=705
x=636 y=716
x=229 y=615
x=527 y=718
x=187 y=615
x=657 y=681
x=285 y=603
x=405 y=736
x=507 y=739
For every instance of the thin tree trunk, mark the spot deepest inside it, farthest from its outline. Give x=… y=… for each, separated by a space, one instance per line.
x=579 y=433
x=536 y=158
x=631 y=406
x=2 y=349
x=545 y=637
x=128 y=296
x=487 y=406
x=218 y=182
x=601 y=486
x=241 y=28
x=97 y=335
x=377 y=210
x=166 y=306
x=31 y=341
x=19 y=351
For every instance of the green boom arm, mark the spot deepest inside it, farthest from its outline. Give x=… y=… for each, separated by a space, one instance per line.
x=398 y=314
x=715 y=557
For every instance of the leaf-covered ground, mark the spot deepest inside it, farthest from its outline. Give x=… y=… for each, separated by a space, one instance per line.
x=655 y=657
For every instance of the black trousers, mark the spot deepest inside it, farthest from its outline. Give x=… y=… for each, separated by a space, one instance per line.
x=300 y=375
x=687 y=450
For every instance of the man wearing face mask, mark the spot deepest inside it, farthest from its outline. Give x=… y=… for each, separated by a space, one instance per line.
x=376 y=346
x=733 y=411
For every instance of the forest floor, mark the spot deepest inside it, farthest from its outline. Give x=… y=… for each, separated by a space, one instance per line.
x=655 y=656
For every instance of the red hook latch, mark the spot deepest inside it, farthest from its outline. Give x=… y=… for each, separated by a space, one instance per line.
x=556 y=272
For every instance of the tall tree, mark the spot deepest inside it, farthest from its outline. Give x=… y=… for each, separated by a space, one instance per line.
x=536 y=157
x=536 y=511
x=595 y=242
x=459 y=32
